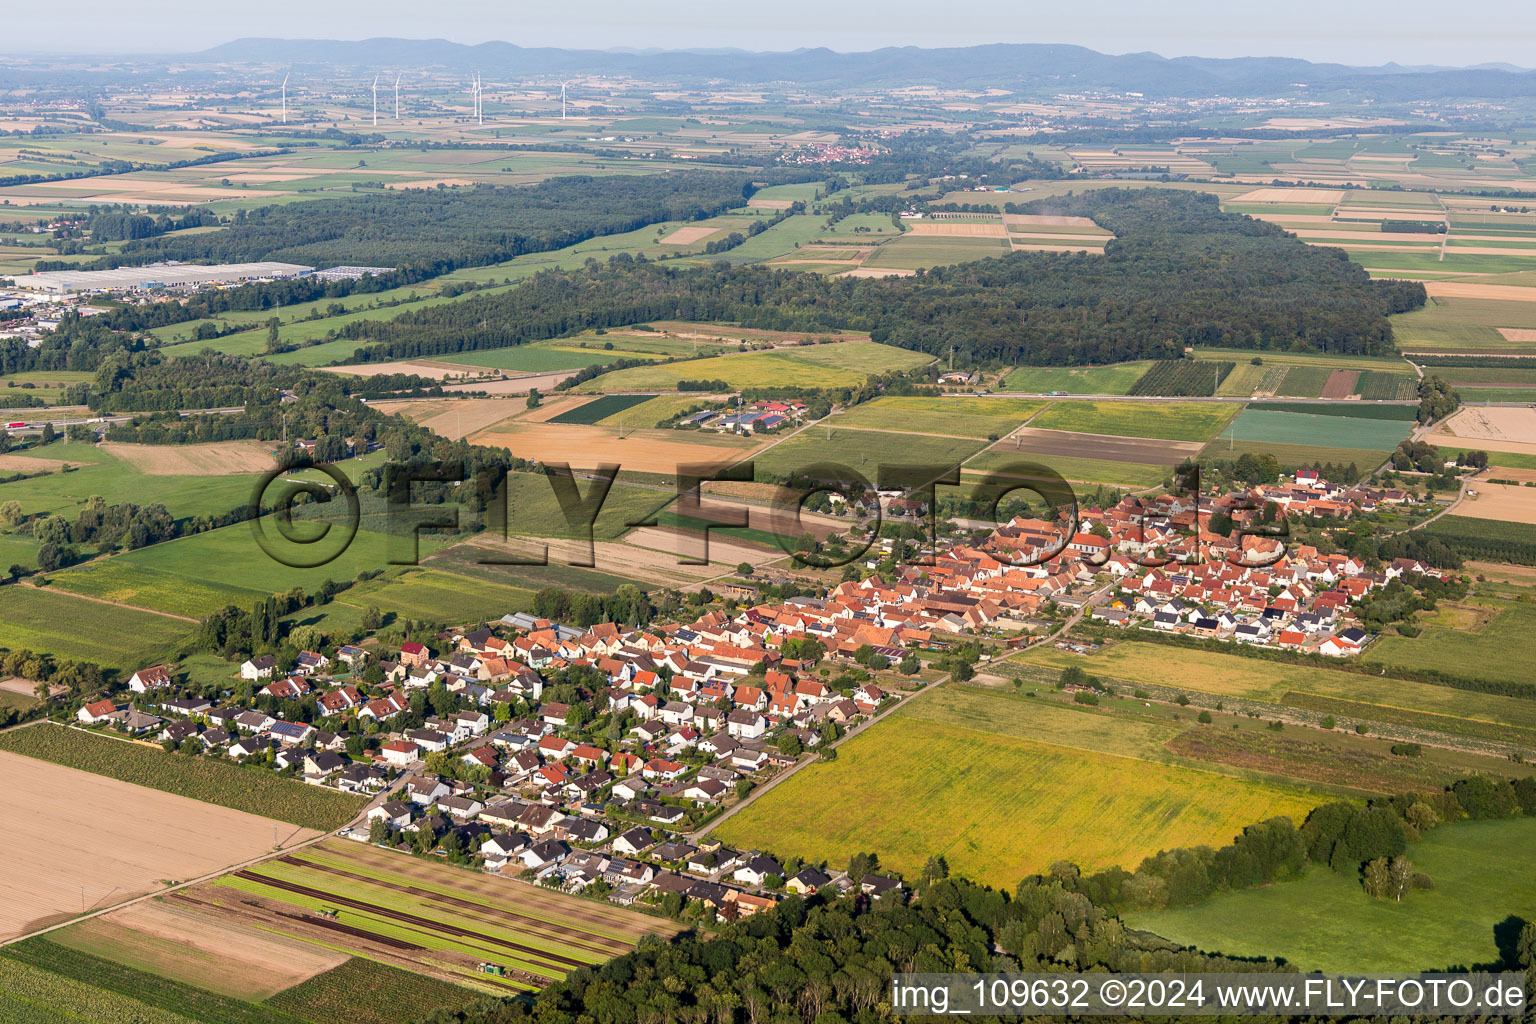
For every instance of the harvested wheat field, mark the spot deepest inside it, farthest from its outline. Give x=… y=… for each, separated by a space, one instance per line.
x=223 y=458
x=552 y=407
x=456 y=418
x=1506 y=502
x=1044 y=220
x=76 y=840
x=196 y=948
x=639 y=451
x=1495 y=429
x=1473 y=290
x=1291 y=195
x=27 y=464
x=689 y=546
x=688 y=235
x=769 y=204
x=420 y=367
x=643 y=565
x=993 y=230
x=1522 y=334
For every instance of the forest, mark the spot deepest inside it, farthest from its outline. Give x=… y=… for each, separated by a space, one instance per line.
x=443 y=229
x=1180 y=272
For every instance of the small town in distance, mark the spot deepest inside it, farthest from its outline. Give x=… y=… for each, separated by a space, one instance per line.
x=504 y=531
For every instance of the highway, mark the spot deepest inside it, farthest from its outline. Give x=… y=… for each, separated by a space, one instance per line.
x=34 y=422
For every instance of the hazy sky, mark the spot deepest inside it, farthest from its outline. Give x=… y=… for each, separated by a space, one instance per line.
x=1352 y=31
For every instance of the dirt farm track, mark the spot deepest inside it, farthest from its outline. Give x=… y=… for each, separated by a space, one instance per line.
x=80 y=841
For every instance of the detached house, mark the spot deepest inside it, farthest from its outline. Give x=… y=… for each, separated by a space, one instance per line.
x=146 y=679
x=259 y=667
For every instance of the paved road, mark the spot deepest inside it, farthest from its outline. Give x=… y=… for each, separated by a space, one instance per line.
x=35 y=426
x=361 y=819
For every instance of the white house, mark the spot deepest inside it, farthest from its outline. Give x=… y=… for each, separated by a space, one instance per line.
x=259 y=667
x=146 y=679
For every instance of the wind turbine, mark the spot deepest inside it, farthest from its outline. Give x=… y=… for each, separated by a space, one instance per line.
x=285 y=99
x=479 y=100
x=562 y=99
x=375 y=101
x=397 y=97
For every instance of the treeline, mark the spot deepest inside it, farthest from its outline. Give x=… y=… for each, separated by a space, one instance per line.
x=439 y=230
x=1180 y=273
x=100 y=526
x=1483 y=539
x=1413 y=227
x=628 y=605
x=124 y=225
x=832 y=961
x=1437 y=399
x=1344 y=837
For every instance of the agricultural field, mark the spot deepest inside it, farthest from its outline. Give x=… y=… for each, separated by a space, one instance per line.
x=913 y=252
x=1514 y=502
x=1072 y=444
x=139 y=586
x=1175 y=421
x=636 y=449
x=1489 y=429
x=155 y=835
x=957 y=417
x=1124 y=474
x=1493 y=650
x=808 y=366
x=425 y=916
x=862 y=450
x=1471 y=323
x=1182 y=377
x=1282 y=426
x=143 y=989
x=578 y=352
x=140 y=474
x=121 y=639
x=430 y=596
x=1086 y=380
x=894 y=789
x=252 y=791
x=364 y=992
x=177 y=944
x=1233 y=675
x=1326 y=922
x=232 y=554
x=30 y=995
x=592 y=412
x=842 y=364
x=1298 y=455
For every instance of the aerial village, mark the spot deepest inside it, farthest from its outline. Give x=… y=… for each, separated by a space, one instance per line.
x=460 y=742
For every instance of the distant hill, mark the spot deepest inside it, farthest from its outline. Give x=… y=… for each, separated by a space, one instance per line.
x=1025 y=67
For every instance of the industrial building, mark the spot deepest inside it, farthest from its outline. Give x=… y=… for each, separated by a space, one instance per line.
x=158 y=275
